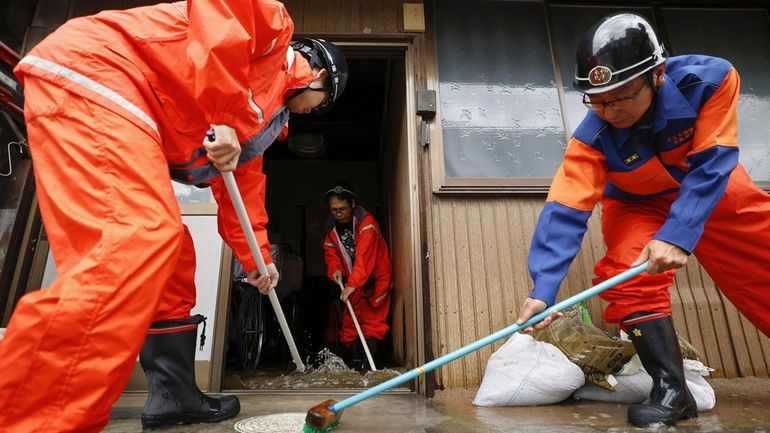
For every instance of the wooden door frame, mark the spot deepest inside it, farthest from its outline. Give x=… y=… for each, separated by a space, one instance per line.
x=398 y=47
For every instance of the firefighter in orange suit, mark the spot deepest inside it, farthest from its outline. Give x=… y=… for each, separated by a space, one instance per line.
x=659 y=149
x=357 y=255
x=117 y=105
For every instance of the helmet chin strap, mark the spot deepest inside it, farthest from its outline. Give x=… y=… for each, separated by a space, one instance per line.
x=649 y=76
x=649 y=115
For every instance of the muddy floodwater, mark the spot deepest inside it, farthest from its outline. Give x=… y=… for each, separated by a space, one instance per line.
x=328 y=372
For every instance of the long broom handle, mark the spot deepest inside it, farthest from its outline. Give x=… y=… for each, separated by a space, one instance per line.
x=358 y=329
x=248 y=231
x=563 y=305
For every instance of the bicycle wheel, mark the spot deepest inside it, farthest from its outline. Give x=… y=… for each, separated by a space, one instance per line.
x=251 y=321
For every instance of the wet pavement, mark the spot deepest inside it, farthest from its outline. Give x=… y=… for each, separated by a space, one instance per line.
x=743 y=405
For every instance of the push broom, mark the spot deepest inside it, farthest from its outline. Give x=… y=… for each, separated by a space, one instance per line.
x=325 y=416
x=251 y=239
x=243 y=218
x=358 y=329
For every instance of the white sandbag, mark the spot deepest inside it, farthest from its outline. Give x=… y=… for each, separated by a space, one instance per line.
x=636 y=387
x=701 y=390
x=633 y=388
x=527 y=372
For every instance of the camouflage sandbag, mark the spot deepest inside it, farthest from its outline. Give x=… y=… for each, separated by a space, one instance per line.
x=688 y=350
x=595 y=352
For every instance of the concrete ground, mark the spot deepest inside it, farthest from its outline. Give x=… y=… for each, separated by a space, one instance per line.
x=743 y=405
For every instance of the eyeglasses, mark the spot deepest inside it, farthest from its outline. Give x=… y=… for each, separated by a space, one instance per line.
x=339 y=210
x=616 y=104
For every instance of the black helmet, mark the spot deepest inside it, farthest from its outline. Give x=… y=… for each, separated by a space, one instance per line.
x=617 y=49
x=323 y=54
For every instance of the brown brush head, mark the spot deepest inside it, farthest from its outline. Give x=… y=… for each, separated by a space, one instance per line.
x=321 y=417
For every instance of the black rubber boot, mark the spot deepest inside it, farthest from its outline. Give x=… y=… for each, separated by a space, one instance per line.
x=658 y=348
x=375 y=347
x=359 y=360
x=168 y=360
x=357 y=356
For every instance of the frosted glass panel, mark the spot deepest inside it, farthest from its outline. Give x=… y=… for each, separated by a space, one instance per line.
x=568 y=24
x=186 y=194
x=208 y=249
x=499 y=101
x=743 y=38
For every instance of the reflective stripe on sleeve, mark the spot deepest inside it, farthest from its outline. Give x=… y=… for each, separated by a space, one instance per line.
x=91 y=85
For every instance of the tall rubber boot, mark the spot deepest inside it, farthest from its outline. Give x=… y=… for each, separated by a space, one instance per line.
x=359 y=360
x=168 y=360
x=375 y=347
x=357 y=356
x=658 y=348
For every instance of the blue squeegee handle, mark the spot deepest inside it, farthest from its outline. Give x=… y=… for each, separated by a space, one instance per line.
x=505 y=332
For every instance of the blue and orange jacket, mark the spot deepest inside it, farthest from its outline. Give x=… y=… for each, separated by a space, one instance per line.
x=172 y=69
x=687 y=152
x=372 y=260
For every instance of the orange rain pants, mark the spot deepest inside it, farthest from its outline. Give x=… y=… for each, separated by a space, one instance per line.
x=117 y=235
x=373 y=320
x=733 y=250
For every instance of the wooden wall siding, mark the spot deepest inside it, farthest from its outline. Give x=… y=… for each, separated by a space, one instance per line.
x=479 y=277
x=396 y=175
x=345 y=16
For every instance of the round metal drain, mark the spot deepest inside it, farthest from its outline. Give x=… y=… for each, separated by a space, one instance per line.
x=278 y=423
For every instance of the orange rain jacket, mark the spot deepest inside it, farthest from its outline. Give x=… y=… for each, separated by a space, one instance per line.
x=372 y=260
x=170 y=70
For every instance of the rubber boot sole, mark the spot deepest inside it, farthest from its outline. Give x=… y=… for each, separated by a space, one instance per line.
x=159 y=423
x=646 y=420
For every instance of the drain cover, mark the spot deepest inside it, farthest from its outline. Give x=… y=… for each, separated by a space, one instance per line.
x=278 y=423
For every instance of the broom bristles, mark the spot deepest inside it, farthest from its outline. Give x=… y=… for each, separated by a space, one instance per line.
x=310 y=429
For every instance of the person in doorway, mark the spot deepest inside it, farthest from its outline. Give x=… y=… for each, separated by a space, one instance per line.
x=117 y=105
x=356 y=256
x=658 y=148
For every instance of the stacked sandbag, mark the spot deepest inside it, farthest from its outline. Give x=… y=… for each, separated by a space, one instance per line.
x=527 y=372
x=597 y=354
x=702 y=391
x=635 y=386
x=632 y=385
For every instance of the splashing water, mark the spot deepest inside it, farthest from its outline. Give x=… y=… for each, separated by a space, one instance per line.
x=331 y=373
x=329 y=362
